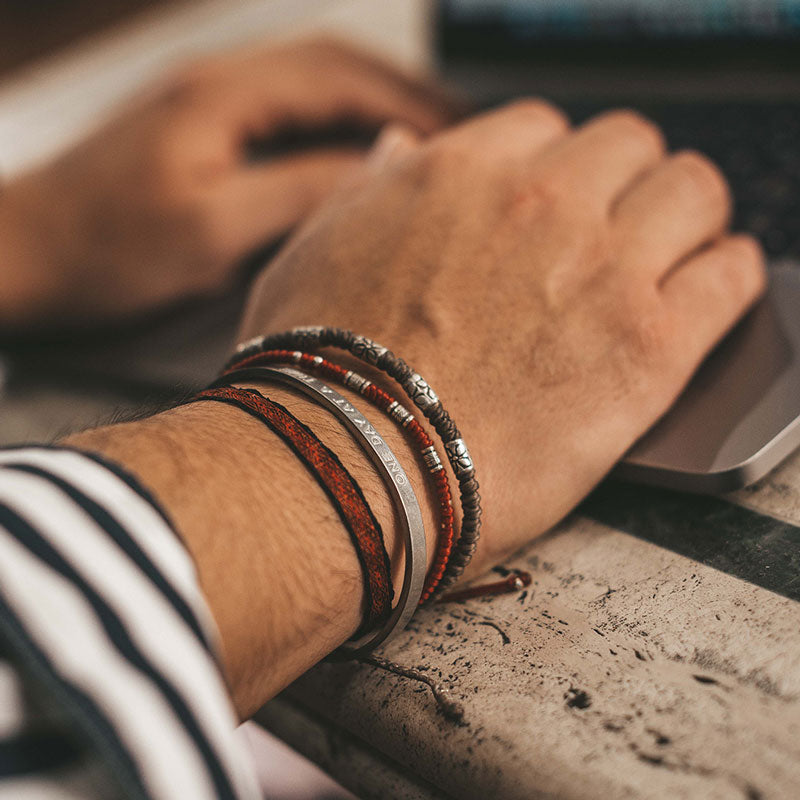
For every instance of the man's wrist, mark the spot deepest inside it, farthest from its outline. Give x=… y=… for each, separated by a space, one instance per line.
x=334 y=434
x=276 y=564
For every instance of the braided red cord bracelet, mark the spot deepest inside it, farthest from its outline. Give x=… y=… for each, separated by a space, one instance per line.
x=423 y=397
x=340 y=487
x=386 y=403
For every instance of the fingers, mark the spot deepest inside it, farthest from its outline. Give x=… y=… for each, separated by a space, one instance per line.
x=678 y=207
x=704 y=296
x=602 y=158
x=260 y=203
x=519 y=131
x=320 y=83
x=425 y=90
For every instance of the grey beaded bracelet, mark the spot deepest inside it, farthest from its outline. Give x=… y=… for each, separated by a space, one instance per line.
x=368 y=351
x=395 y=478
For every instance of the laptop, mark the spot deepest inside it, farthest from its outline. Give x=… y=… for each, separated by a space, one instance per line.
x=721 y=76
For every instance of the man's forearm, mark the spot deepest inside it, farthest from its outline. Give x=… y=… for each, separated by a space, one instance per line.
x=275 y=562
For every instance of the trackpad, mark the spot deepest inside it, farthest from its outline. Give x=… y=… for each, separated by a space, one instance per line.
x=740 y=414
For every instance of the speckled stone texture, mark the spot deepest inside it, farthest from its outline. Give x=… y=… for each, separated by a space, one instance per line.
x=626 y=670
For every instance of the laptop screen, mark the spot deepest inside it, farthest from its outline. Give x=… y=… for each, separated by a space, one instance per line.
x=653 y=28
x=621 y=19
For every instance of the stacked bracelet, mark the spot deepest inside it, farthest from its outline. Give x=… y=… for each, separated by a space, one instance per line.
x=382 y=400
x=342 y=490
x=394 y=477
x=423 y=397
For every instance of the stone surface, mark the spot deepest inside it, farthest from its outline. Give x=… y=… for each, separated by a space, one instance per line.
x=369 y=773
x=634 y=666
x=625 y=670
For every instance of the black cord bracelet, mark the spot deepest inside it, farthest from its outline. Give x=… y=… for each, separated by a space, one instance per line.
x=426 y=400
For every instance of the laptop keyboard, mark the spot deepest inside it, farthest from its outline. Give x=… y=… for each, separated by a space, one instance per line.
x=757 y=145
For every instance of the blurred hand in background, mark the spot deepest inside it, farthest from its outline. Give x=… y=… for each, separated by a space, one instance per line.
x=164 y=201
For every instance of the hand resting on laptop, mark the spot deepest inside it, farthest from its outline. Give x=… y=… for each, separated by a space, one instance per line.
x=556 y=286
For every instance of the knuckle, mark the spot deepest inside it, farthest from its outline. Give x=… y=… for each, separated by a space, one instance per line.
x=450 y=156
x=632 y=124
x=747 y=256
x=547 y=198
x=556 y=189
x=748 y=248
x=540 y=112
x=704 y=175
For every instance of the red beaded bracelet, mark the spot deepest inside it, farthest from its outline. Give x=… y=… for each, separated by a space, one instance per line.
x=340 y=487
x=386 y=403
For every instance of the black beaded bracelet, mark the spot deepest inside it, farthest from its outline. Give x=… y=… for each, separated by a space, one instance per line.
x=418 y=390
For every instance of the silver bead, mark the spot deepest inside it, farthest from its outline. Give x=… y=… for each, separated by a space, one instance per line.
x=297 y=355
x=432 y=460
x=308 y=335
x=354 y=381
x=256 y=341
x=460 y=458
x=308 y=330
x=400 y=413
x=318 y=361
x=367 y=350
x=420 y=392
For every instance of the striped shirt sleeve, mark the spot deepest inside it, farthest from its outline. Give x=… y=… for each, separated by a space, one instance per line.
x=109 y=685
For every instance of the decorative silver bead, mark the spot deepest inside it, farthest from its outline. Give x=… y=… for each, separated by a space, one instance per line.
x=367 y=350
x=297 y=356
x=307 y=330
x=318 y=361
x=419 y=391
x=432 y=460
x=307 y=334
x=460 y=458
x=354 y=381
x=400 y=413
x=256 y=341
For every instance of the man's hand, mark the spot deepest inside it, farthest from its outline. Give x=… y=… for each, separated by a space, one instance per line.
x=163 y=202
x=557 y=287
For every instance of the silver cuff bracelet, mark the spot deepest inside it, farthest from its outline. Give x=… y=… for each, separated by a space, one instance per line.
x=393 y=475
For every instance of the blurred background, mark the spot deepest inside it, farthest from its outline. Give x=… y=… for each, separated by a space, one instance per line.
x=64 y=68
x=719 y=75
x=31 y=30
